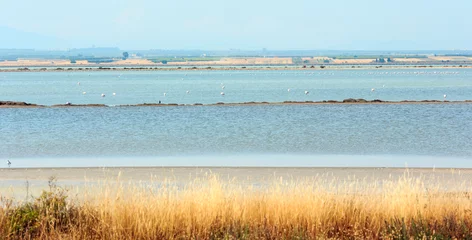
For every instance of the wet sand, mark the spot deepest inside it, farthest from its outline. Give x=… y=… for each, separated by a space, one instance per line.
x=13 y=181
x=246 y=175
x=241 y=173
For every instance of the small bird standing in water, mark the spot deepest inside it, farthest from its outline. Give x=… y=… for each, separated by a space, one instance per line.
x=9 y=163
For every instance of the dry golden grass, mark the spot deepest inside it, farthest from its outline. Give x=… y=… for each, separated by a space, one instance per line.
x=213 y=208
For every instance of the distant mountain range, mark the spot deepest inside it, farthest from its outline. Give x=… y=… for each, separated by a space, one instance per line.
x=13 y=38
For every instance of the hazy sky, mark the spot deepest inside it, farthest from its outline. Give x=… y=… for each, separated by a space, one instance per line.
x=242 y=24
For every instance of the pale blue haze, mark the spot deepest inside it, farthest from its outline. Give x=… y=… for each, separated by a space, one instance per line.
x=244 y=24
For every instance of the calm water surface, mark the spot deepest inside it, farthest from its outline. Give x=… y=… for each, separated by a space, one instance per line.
x=133 y=87
x=319 y=135
x=426 y=130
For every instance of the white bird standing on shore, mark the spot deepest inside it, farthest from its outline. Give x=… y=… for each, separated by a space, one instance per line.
x=445 y=96
x=9 y=163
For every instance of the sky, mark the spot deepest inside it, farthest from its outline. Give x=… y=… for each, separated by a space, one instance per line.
x=242 y=24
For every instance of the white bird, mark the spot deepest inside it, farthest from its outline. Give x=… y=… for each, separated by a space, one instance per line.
x=306 y=92
x=78 y=83
x=372 y=90
x=445 y=96
x=222 y=93
x=165 y=94
x=9 y=163
x=114 y=94
x=187 y=92
x=288 y=90
x=103 y=94
x=84 y=93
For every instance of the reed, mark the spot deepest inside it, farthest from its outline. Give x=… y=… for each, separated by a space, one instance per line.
x=215 y=208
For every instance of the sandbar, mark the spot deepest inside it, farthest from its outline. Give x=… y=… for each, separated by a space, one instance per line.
x=11 y=104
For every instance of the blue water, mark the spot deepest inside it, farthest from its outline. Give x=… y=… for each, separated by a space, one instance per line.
x=134 y=87
x=271 y=135
x=443 y=130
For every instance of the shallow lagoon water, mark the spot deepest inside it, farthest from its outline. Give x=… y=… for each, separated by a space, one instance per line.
x=134 y=87
x=263 y=135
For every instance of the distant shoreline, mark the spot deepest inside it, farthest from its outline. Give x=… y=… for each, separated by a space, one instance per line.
x=349 y=101
x=70 y=68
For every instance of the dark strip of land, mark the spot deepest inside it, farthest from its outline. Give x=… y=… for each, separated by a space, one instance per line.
x=225 y=68
x=12 y=104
